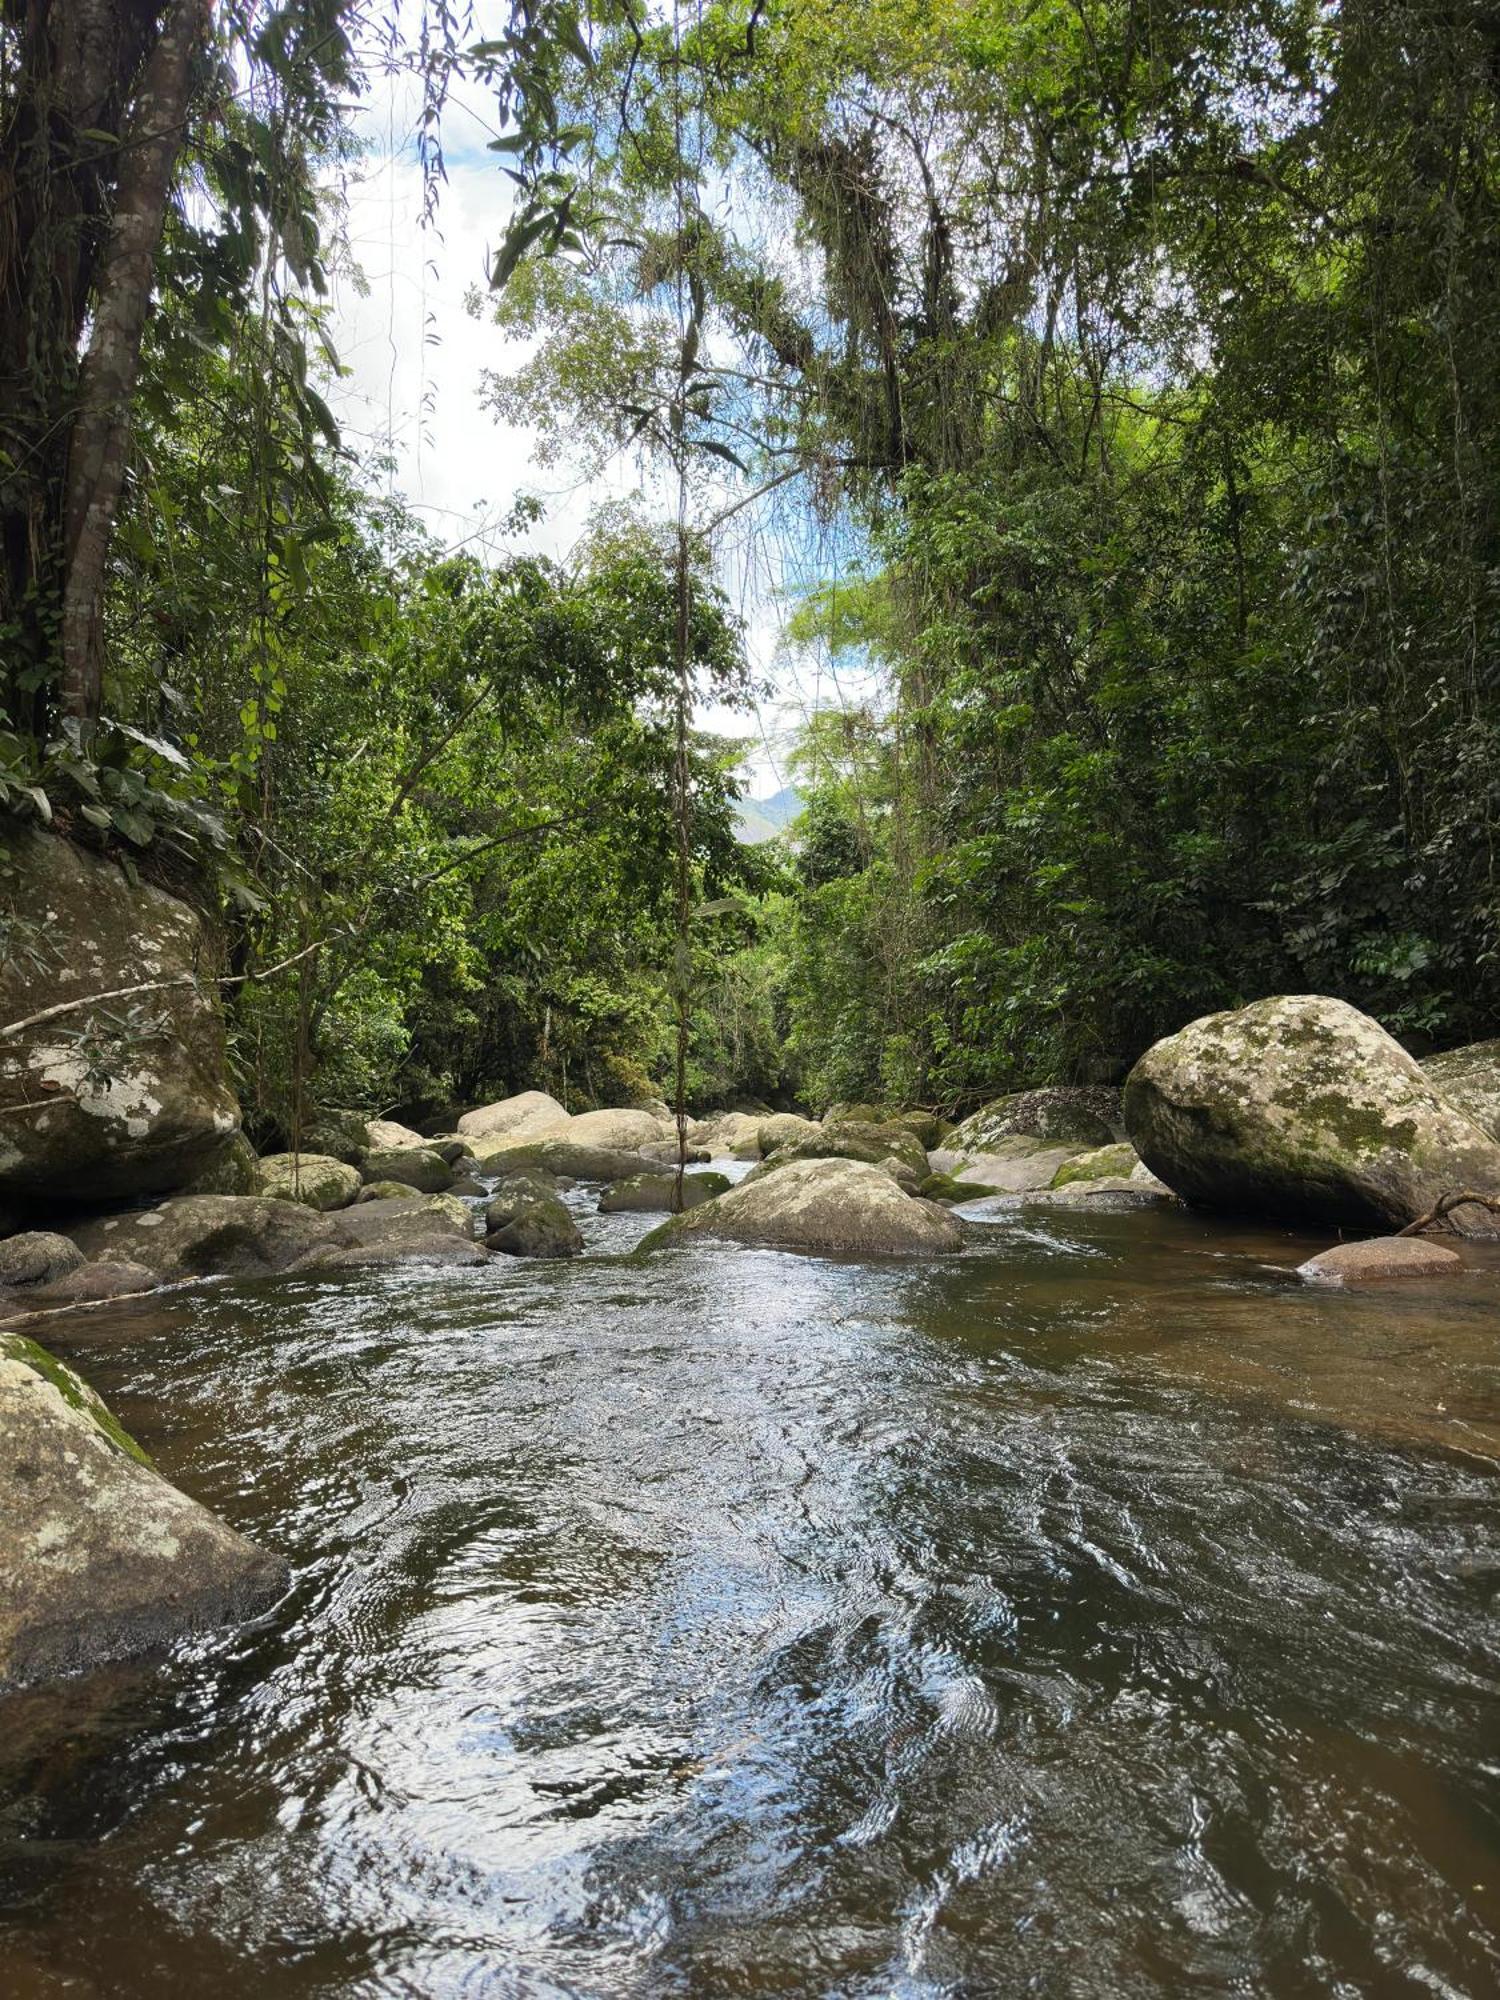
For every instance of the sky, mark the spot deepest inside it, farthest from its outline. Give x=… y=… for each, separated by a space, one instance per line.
x=413 y=356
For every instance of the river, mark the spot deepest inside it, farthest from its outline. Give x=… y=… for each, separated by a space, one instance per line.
x=1095 y=1614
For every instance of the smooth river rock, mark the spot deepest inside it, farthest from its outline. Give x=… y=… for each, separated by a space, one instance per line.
x=654 y=1194
x=1379 y=1259
x=420 y=1167
x=1302 y=1108
x=203 y=1235
x=100 y=1558
x=835 y=1207
x=528 y=1112
x=314 y=1179
x=156 y=1108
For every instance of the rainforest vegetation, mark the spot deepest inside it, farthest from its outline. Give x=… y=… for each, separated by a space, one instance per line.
x=1131 y=371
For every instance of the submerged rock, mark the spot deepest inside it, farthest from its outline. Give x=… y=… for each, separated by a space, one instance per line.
x=202 y=1235
x=838 y=1207
x=1378 y=1260
x=100 y=1557
x=654 y=1194
x=1470 y=1080
x=311 y=1178
x=530 y=1112
x=413 y=1166
x=1302 y=1107
x=164 y=1112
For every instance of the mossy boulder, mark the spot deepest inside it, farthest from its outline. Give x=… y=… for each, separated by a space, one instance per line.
x=1302 y=1108
x=568 y=1158
x=733 y=1135
x=1104 y=1163
x=538 y=1226
x=853 y=1140
x=826 y=1206
x=311 y=1178
x=1470 y=1080
x=655 y=1194
x=785 y=1129
x=413 y=1166
x=342 y=1135
x=236 y=1170
x=1076 y=1115
x=943 y=1187
x=387 y=1191
x=159 y=1110
x=100 y=1558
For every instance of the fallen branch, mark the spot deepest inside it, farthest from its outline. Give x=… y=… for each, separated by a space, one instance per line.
x=150 y=986
x=1444 y=1207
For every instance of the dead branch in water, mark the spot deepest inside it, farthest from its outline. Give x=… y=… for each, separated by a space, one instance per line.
x=1444 y=1207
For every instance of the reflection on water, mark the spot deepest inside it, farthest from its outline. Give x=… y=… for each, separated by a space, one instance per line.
x=731 y=1623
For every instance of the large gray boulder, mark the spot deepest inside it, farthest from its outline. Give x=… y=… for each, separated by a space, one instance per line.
x=1302 y=1108
x=203 y=1235
x=403 y=1219
x=567 y=1157
x=524 y=1220
x=109 y=1110
x=1470 y=1080
x=37 y=1257
x=100 y=1558
x=853 y=1140
x=830 y=1207
x=528 y=1112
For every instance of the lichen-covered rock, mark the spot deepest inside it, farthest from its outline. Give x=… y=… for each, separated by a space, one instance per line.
x=414 y=1166
x=100 y=1558
x=90 y=1283
x=1015 y=1165
x=37 y=1257
x=828 y=1206
x=384 y=1135
x=403 y=1219
x=666 y=1150
x=203 y=1235
x=621 y=1131
x=655 y=1194
x=1104 y=1163
x=518 y=1191
x=1302 y=1107
x=153 y=1106
x=943 y=1187
x=784 y=1129
x=852 y=1140
x=1470 y=1080
x=1378 y=1260
x=311 y=1178
x=235 y=1170
x=538 y=1227
x=387 y=1191
x=342 y=1135
x=1076 y=1115
x=530 y=1111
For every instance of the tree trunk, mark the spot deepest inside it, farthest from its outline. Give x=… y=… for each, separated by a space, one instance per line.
x=101 y=426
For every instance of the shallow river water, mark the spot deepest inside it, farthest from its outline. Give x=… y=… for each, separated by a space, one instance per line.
x=1093 y=1614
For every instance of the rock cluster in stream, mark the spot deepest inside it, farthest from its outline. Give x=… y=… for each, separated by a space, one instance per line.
x=1297 y=1108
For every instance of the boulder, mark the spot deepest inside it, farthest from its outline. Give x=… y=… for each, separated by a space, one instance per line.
x=413 y=1166
x=943 y=1187
x=235 y=1170
x=384 y=1135
x=530 y=1112
x=567 y=1158
x=387 y=1191
x=540 y=1227
x=1104 y=1163
x=92 y=1282
x=784 y=1129
x=451 y=1147
x=311 y=1178
x=827 y=1206
x=1074 y=1115
x=1012 y=1166
x=1470 y=1080
x=1378 y=1260
x=665 y=1150
x=729 y=1134
x=202 y=1235
x=342 y=1135
x=621 y=1131
x=404 y=1219
x=413 y=1250
x=655 y=1194
x=468 y=1188
x=1300 y=1107
x=515 y=1192
x=100 y=1558
x=872 y=1144
x=37 y=1257
x=110 y=1113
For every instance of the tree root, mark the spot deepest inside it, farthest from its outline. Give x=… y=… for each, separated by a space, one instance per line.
x=1444 y=1207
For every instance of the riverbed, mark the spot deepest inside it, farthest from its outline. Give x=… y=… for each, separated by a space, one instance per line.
x=1096 y=1613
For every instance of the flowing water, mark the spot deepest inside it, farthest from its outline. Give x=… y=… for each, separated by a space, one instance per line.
x=1093 y=1614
